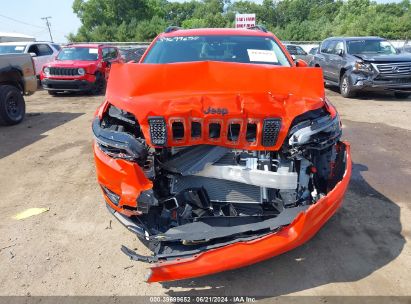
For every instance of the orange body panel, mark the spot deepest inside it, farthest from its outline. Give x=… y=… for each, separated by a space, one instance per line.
x=248 y=93
x=242 y=254
x=122 y=177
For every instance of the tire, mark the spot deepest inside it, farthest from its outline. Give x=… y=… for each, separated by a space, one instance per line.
x=12 y=105
x=99 y=86
x=400 y=95
x=346 y=89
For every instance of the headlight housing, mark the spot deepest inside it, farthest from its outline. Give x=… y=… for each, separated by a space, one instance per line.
x=361 y=66
x=81 y=71
x=118 y=135
x=314 y=130
x=46 y=71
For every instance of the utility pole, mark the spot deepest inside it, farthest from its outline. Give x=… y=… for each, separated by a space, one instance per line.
x=48 y=26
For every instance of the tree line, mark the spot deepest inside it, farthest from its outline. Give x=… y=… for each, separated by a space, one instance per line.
x=293 y=20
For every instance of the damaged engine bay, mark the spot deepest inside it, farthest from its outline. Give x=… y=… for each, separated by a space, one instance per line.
x=207 y=196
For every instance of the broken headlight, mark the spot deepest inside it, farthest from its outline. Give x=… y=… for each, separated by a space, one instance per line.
x=316 y=133
x=361 y=66
x=119 y=135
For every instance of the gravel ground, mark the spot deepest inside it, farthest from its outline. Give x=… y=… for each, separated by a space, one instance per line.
x=74 y=248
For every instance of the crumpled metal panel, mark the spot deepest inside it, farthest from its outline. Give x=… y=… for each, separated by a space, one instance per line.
x=223 y=91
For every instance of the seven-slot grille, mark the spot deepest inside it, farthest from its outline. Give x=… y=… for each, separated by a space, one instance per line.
x=235 y=131
x=394 y=69
x=64 y=71
x=158 y=131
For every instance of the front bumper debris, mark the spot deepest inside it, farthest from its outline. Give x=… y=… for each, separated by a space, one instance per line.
x=301 y=226
x=374 y=83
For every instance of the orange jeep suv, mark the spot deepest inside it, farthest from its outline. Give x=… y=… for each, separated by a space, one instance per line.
x=218 y=151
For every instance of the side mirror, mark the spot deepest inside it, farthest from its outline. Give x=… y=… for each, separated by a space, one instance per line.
x=33 y=54
x=293 y=57
x=301 y=63
x=340 y=52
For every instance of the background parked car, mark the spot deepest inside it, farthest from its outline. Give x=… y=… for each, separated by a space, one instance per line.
x=407 y=47
x=364 y=64
x=132 y=53
x=313 y=51
x=297 y=52
x=17 y=78
x=80 y=67
x=42 y=52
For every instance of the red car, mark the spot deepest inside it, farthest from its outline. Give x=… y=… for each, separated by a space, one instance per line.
x=79 y=67
x=218 y=150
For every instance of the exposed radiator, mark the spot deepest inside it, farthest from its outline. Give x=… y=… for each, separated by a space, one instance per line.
x=218 y=190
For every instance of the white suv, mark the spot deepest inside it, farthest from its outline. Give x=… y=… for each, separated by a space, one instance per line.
x=42 y=52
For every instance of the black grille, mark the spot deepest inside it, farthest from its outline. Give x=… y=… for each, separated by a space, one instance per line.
x=158 y=131
x=178 y=130
x=271 y=128
x=195 y=129
x=251 y=134
x=233 y=132
x=214 y=130
x=382 y=80
x=63 y=85
x=64 y=71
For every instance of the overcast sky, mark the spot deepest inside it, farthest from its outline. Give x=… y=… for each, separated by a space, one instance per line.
x=24 y=16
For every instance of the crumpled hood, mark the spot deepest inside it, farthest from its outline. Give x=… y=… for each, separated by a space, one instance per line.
x=380 y=58
x=215 y=91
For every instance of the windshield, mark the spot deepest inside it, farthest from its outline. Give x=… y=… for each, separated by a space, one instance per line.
x=9 y=49
x=78 y=53
x=244 y=49
x=376 y=46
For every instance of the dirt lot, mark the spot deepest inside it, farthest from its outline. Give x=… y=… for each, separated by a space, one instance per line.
x=72 y=250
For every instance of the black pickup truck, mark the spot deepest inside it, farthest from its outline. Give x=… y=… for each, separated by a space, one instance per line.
x=364 y=64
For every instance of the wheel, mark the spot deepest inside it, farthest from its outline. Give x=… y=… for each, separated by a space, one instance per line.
x=401 y=95
x=12 y=105
x=99 y=85
x=346 y=89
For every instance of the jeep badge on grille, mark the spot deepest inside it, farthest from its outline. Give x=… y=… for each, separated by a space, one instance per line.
x=210 y=110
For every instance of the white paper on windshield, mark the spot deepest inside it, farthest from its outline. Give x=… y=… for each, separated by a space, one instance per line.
x=19 y=48
x=262 y=55
x=93 y=51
